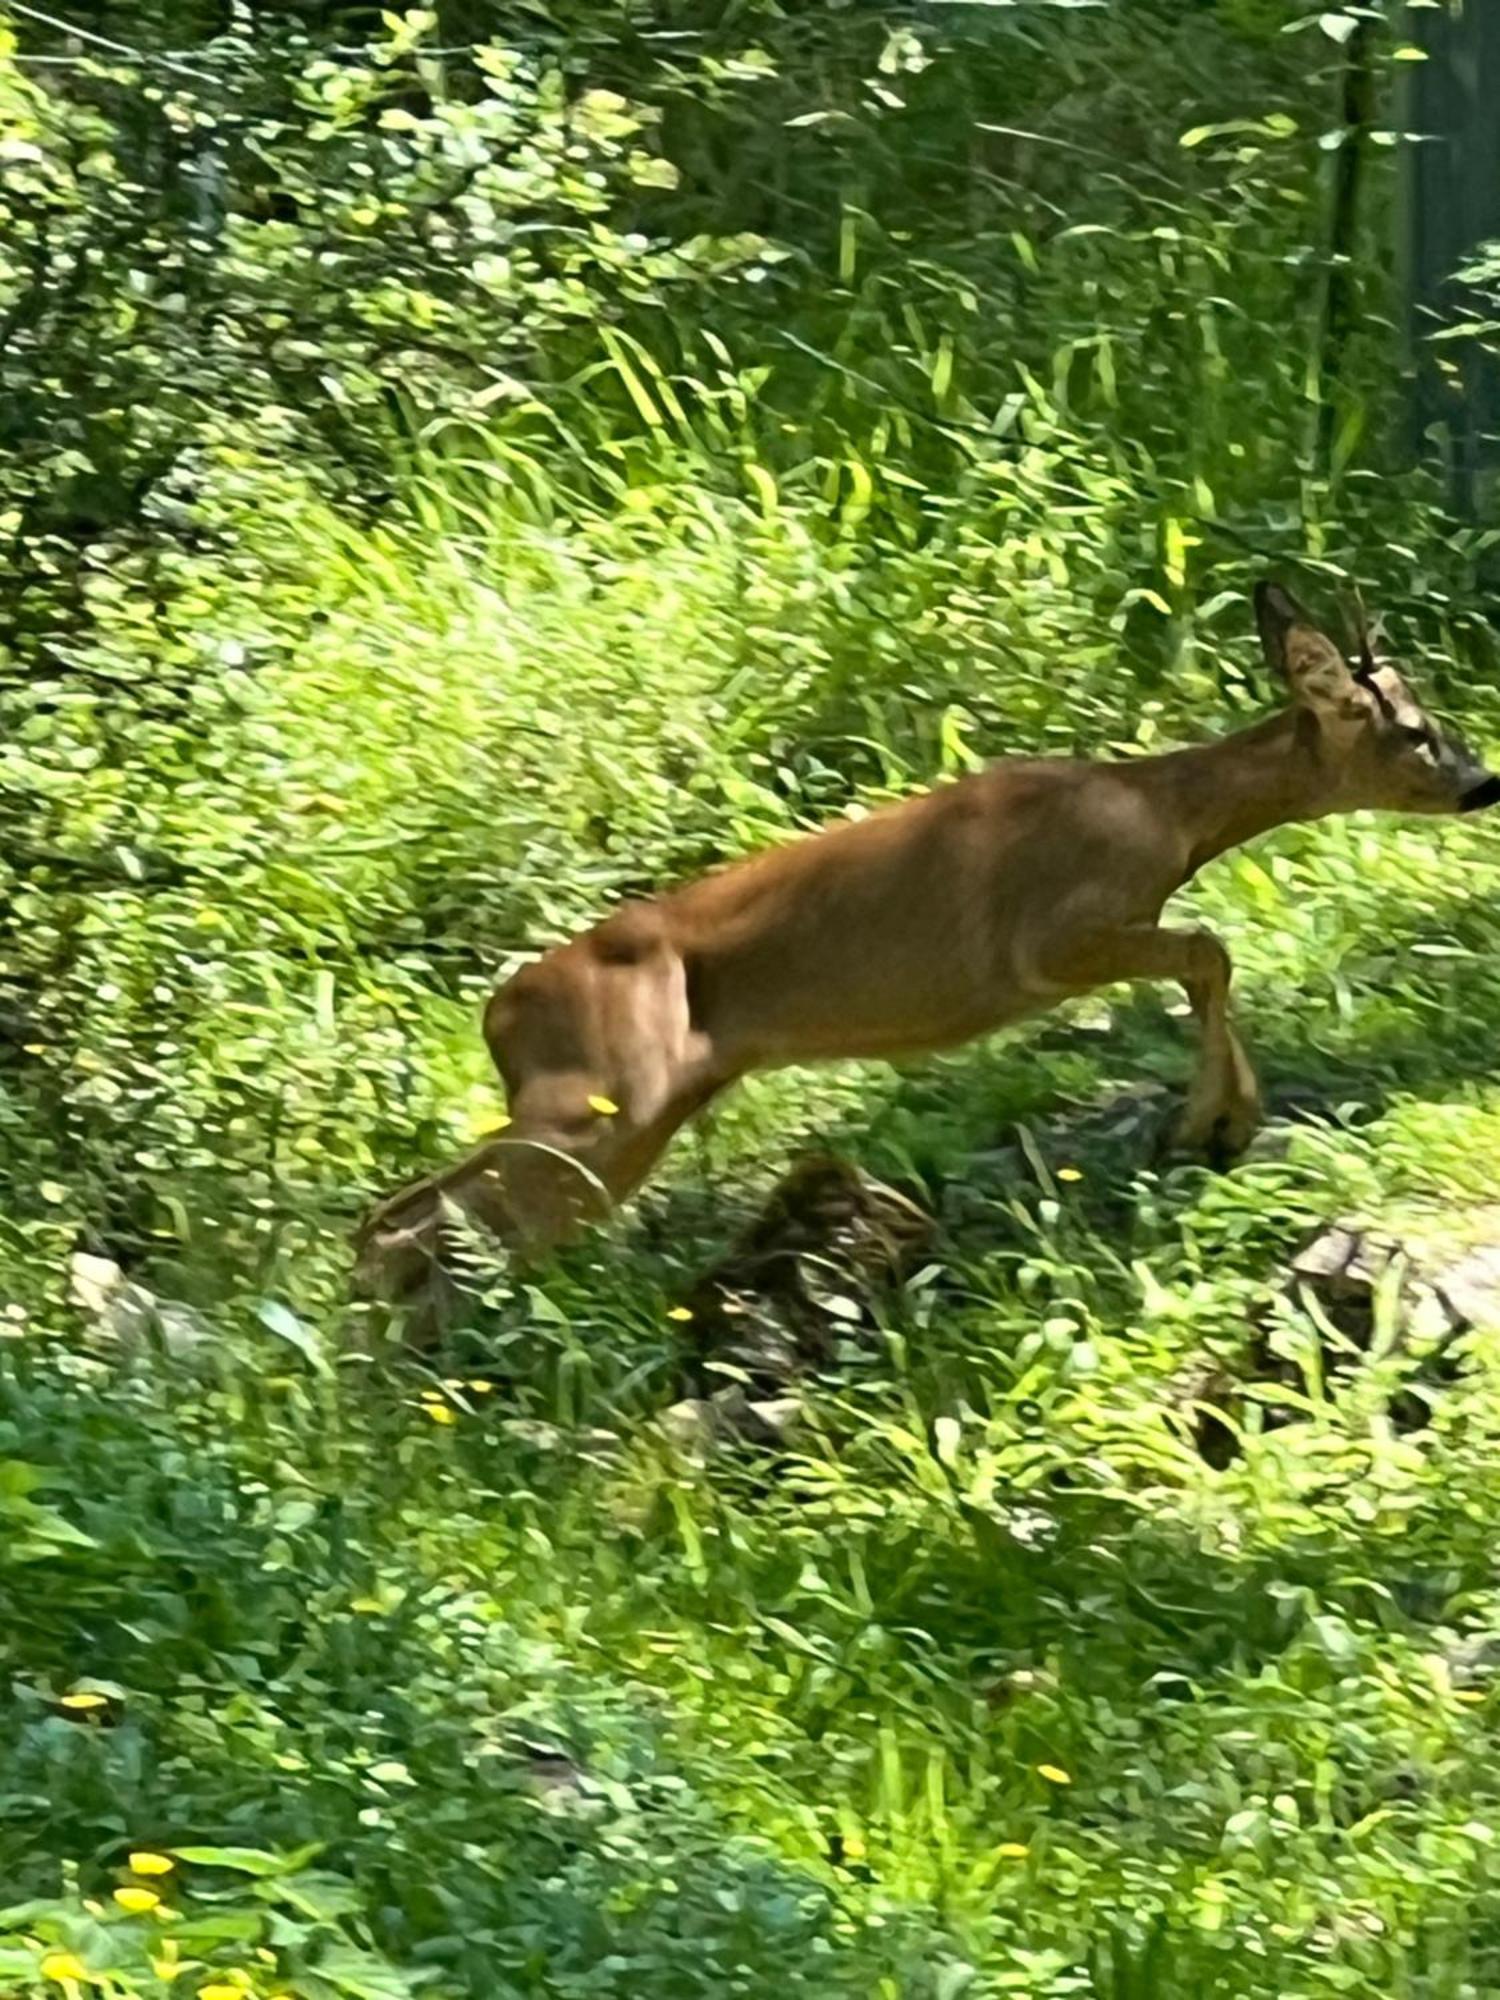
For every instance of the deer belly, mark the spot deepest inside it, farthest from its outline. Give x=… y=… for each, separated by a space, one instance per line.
x=877 y=989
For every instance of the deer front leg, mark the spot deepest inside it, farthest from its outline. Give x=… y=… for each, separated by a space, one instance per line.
x=1223 y=1106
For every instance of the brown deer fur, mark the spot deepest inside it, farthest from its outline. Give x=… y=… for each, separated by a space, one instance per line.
x=915 y=929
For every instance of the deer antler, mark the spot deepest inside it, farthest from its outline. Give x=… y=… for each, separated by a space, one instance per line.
x=1367 y=636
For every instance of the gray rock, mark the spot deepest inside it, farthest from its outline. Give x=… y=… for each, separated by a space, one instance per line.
x=1449 y=1282
x=1471 y=1287
x=129 y=1315
x=699 y=1423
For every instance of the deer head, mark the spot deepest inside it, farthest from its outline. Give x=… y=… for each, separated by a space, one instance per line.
x=1378 y=745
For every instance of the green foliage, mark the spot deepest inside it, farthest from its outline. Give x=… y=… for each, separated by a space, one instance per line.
x=447 y=488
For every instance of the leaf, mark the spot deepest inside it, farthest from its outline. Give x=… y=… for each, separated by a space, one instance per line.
x=837 y=1306
x=635 y=387
x=324 y=1012
x=1337 y=27
x=243 y=1860
x=278 y=1319
x=646 y=171
x=764 y=485
x=367 y=1977
x=225 y=1927
x=325 y=1898
x=391 y=1772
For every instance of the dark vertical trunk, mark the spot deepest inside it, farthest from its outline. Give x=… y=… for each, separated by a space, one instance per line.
x=1451 y=205
x=1340 y=303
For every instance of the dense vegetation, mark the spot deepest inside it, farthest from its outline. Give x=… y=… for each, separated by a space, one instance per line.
x=458 y=468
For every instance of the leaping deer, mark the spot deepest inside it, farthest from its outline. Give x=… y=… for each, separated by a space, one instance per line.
x=916 y=929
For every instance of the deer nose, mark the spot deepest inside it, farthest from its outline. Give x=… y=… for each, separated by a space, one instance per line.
x=1477 y=797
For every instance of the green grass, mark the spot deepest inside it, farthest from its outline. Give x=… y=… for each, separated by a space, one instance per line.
x=811 y=1701
x=459 y=1676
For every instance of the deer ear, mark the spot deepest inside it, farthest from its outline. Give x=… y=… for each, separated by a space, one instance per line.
x=1315 y=671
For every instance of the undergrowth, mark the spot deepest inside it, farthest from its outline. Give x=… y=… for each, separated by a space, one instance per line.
x=333 y=1671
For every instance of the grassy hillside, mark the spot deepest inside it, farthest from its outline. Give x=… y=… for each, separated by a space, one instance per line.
x=1014 y=1673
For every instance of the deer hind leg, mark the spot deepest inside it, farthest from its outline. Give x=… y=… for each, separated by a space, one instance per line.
x=601 y=1065
x=1223 y=1105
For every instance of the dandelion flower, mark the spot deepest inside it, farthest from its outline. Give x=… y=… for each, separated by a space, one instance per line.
x=1070 y=1173
x=605 y=1106
x=1054 y=1774
x=64 y=1965
x=1013 y=1850
x=83 y=1701
x=136 y=1900
x=679 y=1312
x=440 y=1413
x=220 y=1989
x=146 y=1862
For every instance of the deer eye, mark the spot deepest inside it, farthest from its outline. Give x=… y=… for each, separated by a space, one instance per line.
x=1418 y=738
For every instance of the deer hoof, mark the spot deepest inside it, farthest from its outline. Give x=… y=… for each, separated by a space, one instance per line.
x=1218 y=1139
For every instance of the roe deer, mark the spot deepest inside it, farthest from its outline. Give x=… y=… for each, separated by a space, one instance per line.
x=915 y=929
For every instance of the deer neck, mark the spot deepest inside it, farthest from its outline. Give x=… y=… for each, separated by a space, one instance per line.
x=1224 y=793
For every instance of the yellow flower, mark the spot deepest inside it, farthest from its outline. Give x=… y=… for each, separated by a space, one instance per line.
x=605 y=1106
x=440 y=1413
x=1054 y=1774
x=136 y=1899
x=679 y=1312
x=145 y=1862
x=83 y=1701
x=1070 y=1173
x=220 y=1989
x=480 y=1388
x=1013 y=1850
x=64 y=1965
